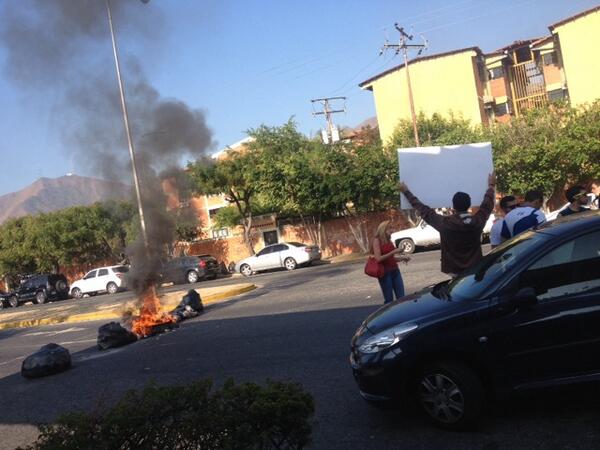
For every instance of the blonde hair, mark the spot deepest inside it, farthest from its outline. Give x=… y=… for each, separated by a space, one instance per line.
x=380 y=233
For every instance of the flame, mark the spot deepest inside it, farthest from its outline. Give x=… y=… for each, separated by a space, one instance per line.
x=151 y=314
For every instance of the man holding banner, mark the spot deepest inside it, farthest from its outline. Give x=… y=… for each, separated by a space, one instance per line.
x=460 y=232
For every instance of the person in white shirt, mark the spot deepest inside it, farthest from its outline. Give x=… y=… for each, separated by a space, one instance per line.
x=526 y=216
x=595 y=188
x=507 y=204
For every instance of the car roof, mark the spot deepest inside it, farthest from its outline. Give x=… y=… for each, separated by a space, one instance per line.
x=574 y=223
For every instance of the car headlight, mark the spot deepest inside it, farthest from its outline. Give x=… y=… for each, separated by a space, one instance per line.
x=387 y=338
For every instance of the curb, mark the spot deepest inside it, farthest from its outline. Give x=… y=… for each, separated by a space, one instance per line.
x=114 y=313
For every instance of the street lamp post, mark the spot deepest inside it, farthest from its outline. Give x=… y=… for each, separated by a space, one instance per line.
x=136 y=181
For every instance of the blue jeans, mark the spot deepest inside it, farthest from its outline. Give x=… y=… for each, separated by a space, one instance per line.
x=391 y=283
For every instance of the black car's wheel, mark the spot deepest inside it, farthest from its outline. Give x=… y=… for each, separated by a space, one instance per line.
x=76 y=293
x=246 y=270
x=451 y=395
x=112 y=288
x=192 y=276
x=407 y=245
x=40 y=297
x=290 y=263
x=13 y=301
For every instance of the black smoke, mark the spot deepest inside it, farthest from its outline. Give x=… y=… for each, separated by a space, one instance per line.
x=63 y=47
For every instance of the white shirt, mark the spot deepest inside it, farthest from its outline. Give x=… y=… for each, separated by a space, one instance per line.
x=521 y=219
x=496 y=233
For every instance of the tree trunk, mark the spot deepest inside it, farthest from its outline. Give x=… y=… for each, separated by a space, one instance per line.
x=358 y=232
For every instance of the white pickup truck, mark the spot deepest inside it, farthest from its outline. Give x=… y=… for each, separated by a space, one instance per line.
x=424 y=235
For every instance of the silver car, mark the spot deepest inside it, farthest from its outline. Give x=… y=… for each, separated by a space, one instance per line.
x=286 y=254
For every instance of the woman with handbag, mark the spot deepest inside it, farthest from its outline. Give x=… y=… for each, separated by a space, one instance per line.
x=384 y=252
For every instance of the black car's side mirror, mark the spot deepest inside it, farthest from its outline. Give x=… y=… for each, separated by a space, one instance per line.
x=525 y=297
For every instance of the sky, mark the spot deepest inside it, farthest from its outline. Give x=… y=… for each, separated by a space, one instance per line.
x=245 y=63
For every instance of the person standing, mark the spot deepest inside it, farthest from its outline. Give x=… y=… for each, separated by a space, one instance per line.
x=460 y=232
x=526 y=216
x=507 y=204
x=578 y=200
x=385 y=252
x=595 y=189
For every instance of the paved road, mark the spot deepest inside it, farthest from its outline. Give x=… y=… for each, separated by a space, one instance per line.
x=296 y=326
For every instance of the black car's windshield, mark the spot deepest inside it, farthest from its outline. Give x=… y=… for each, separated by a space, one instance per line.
x=474 y=281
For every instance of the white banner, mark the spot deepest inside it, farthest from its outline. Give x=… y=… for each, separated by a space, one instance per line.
x=435 y=174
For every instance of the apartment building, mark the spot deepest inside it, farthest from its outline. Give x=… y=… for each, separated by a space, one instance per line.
x=493 y=87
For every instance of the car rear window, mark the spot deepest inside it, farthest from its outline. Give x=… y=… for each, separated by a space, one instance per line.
x=120 y=269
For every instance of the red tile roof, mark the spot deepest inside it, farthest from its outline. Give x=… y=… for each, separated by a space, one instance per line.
x=575 y=17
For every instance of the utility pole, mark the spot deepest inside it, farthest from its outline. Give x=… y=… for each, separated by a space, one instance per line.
x=136 y=181
x=403 y=45
x=327 y=112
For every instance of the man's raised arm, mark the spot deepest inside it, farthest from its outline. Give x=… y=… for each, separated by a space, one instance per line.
x=427 y=214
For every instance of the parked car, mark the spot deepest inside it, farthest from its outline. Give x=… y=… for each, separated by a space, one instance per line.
x=40 y=288
x=109 y=279
x=285 y=254
x=4 y=297
x=424 y=235
x=525 y=317
x=190 y=269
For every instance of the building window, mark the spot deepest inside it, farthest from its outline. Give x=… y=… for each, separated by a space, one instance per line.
x=496 y=72
x=522 y=55
x=220 y=233
x=549 y=59
x=501 y=109
x=556 y=95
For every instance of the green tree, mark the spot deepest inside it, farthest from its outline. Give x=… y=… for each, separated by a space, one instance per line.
x=233 y=176
x=73 y=236
x=436 y=130
x=548 y=148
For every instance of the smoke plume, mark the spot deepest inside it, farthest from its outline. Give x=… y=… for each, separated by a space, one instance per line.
x=63 y=47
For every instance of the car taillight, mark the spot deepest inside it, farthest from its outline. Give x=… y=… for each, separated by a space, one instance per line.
x=308 y=249
x=119 y=275
x=202 y=263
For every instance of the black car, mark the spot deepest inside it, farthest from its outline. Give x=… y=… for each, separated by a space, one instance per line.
x=190 y=269
x=40 y=288
x=4 y=297
x=526 y=316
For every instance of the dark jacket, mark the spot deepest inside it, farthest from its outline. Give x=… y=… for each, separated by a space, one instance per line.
x=460 y=233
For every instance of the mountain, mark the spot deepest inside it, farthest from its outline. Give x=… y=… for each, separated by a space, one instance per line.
x=51 y=194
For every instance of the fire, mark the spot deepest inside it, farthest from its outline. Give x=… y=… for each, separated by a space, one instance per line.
x=150 y=314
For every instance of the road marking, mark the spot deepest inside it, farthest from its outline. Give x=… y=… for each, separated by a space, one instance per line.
x=14 y=359
x=54 y=333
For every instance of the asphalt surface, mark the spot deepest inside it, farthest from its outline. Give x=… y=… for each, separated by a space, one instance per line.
x=295 y=327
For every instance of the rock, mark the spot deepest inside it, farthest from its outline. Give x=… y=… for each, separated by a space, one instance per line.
x=50 y=359
x=114 y=335
x=190 y=306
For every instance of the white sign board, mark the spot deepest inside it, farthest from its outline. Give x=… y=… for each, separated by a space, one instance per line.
x=434 y=174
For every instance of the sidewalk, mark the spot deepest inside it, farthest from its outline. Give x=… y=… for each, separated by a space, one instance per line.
x=70 y=311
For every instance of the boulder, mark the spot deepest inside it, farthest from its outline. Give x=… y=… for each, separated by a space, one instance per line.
x=114 y=335
x=50 y=359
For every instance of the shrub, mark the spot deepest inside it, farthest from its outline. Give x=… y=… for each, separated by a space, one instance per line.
x=246 y=416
